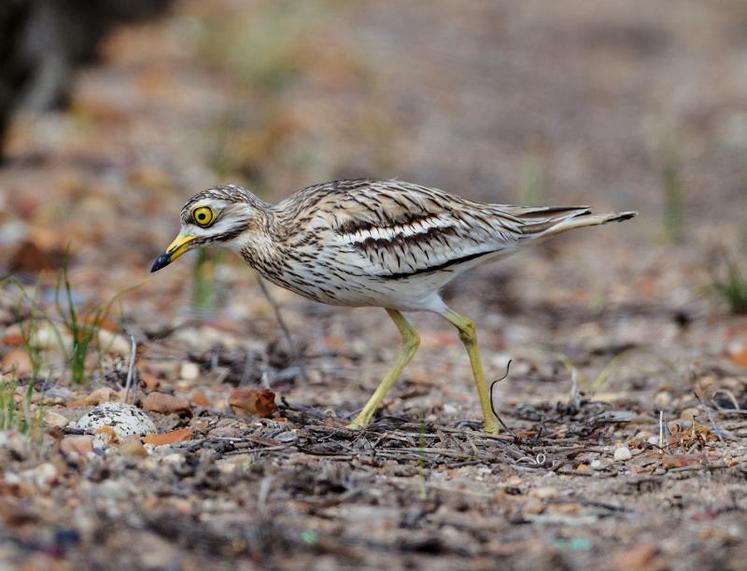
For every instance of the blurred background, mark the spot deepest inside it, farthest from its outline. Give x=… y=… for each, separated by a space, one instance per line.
x=114 y=113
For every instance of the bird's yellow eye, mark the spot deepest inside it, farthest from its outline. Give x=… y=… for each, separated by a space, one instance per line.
x=203 y=216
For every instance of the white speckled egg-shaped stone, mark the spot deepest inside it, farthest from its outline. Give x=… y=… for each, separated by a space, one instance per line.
x=125 y=419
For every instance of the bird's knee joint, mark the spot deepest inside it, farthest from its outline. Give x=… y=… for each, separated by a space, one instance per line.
x=468 y=333
x=412 y=343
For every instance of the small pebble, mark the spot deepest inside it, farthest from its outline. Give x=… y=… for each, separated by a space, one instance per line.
x=175 y=459
x=622 y=454
x=450 y=409
x=544 y=493
x=55 y=419
x=189 y=370
x=596 y=464
x=43 y=476
x=133 y=448
x=689 y=414
x=235 y=463
x=78 y=444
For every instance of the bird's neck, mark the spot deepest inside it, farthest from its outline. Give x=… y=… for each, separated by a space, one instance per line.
x=261 y=245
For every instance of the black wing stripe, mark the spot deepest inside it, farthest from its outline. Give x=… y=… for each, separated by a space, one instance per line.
x=401 y=275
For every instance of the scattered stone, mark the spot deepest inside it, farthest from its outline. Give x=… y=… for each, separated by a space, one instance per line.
x=175 y=459
x=57 y=395
x=55 y=419
x=622 y=453
x=235 y=463
x=252 y=402
x=133 y=447
x=166 y=404
x=77 y=444
x=44 y=476
x=114 y=343
x=169 y=437
x=641 y=558
x=102 y=395
x=596 y=464
x=199 y=399
x=15 y=442
x=616 y=416
x=738 y=353
x=534 y=507
x=17 y=360
x=124 y=419
x=662 y=400
x=689 y=414
x=225 y=432
x=189 y=370
x=116 y=489
x=544 y=493
x=449 y=409
x=149 y=381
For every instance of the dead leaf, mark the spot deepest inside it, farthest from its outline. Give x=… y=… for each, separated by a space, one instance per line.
x=169 y=437
x=252 y=402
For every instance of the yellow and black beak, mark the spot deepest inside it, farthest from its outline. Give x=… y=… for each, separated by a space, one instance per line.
x=179 y=246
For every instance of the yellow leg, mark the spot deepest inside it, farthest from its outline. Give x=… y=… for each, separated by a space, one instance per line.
x=469 y=339
x=410 y=343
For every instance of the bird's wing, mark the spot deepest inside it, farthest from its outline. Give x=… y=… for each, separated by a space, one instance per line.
x=396 y=230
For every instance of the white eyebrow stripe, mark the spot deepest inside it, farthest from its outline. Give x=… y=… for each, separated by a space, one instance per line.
x=390 y=232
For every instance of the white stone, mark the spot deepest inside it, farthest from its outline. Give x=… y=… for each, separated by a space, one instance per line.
x=450 y=409
x=189 y=371
x=43 y=475
x=622 y=454
x=596 y=464
x=125 y=419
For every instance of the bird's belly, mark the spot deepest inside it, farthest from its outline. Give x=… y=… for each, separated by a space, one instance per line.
x=414 y=293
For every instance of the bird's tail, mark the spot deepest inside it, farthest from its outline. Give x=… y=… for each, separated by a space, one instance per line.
x=584 y=219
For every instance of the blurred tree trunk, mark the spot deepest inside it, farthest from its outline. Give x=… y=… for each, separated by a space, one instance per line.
x=14 y=17
x=43 y=41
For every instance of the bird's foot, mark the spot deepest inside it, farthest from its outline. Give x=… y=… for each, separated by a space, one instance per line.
x=491 y=426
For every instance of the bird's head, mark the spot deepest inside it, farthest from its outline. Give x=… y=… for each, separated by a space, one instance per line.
x=220 y=216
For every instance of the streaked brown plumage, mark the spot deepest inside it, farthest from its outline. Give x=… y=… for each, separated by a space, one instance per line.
x=372 y=243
